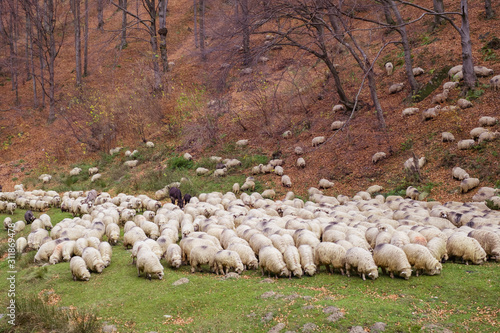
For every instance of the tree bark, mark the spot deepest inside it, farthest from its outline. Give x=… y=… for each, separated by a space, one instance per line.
x=52 y=57
x=13 y=51
x=246 y=31
x=100 y=16
x=195 y=28
x=78 y=46
x=86 y=40
x=468 y=65
x=489 y=10
x=438 y=8
x=387 y=14
x=151 y=8
x=162 y=15
x=202 y=30
x=123 y=43
x=29 y=47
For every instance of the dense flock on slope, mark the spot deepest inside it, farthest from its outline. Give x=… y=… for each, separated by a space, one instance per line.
x=289 y=237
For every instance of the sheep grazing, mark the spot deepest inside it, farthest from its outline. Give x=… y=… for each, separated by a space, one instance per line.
x=459 y=173
x=298 y=151
x=495 y=82
x=454 y=70
x=389 y=68
x=468 y=249
x=286 y=181
x=148 y=263
x=488 y=121
x=437 y=247
x=327 y=253
x=187 y=198
x=318 y=141
x=173 y=256
x=271 y=260
x=430 y=113
x=287 y=134
x=447 y=137
x=29 y=217
x=79 y=269
x=75 y=171
x=325 y=183
x=417 y=71
x=421 y=259
x=21 y=245
x=489 y=241
x=485 y=193
x=441 y=98
x=150 y=144
x=306 y=254
x=409 y=111
x=187 y=156
x=301 y=163
x=106 y=252
x=225 y=260
x=450 y=85
x=242 y=143
x=482 y=71
x=202 y=171
x=396 y=87
x=336 y=125
x=392 y=259
x=202 y=255
x=220 y=172
x=464 y=104
x=488 y=136
x=269 y=194
x=176 y=196
x=412 y=193
x=360 y=261
x=93 y=259
x=93 y=171
x=476 y=132
x=466 y=144
x=338 y=108
x=468 y=184
x=378 y=157
x=95 y=177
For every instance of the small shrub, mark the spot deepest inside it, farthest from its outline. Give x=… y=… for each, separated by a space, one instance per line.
x=180 y=163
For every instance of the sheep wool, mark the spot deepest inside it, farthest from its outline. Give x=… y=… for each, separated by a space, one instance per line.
x=325 y=183
x=93 y=259
x=468 y=184
x=360 y=261
x=450 y=85
x=418 y=71
x=173 y=255
x=421 y=259
x=327 y=254
x=396 y=87
x=392 y=260
x=389 y=67
x=468 y=249
x=95 y=177
x=488 y=136
x=495 y=82
x=447 y=137
x=454 y=70
x=106 y=252
x=378 y=157
x=298 y=151
x=459 y=173
x=412 y=193
x=21 y=245
x=246 y=254
x=149 y=264
x=301 y=163
x=466 y=144
x=489 y=241
x=79 y=269
x=487 y=121
x=464 y=104
x=476 y=132
x=437 y=247
x=318 y=141
x=292 y=259
x=286 y=181
x=483 y=71
x=224 y=260
x=409 y=111
x=306 y=254
x=338 y=108
x=271 y=260
x=336 y=125
x=202 y=255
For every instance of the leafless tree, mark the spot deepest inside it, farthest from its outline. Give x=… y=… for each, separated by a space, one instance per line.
x=162 y=31
x=86 y=40
x=438 y=8
x=489 y=10
x=195 y=21
x=100 y=16
x=75 y=7
x=123 y=7
x=8 y=27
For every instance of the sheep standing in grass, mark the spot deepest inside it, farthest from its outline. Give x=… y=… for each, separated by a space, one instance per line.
x=286 y=181
x=21 y=245
x=96 y=177
x=133 y=235
x=421 y=259
x=489 y=241
x=247 y=255
x=292 y=259
x=476 y=132
x=468 y=249
x=437 y=247
x=466 y=144
x=468 y=184
x=441 y=98
x=202 y=255
x=75 y=171
x=459 y=173
x=389 y=67
x=112 y=233
x=79 y=269
x=68 y=250
x=464 y=104
x=392 y=259
x=447 y=137
x=488 y=136
x=396 y=87
x=306 y=254
x=173 y=256
x=412 y=193
x=106 y=252
x=325 y=183
x=360 y=261
x=327 y=254
x=93 y=259
x=271 y=260
x=224 y=260
x=93 y=171
x=148 y=263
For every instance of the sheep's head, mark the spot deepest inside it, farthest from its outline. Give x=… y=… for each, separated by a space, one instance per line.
x=99 y=267
x=373 y=273
x=159 y=274
x=405 y=273
x=310 y=270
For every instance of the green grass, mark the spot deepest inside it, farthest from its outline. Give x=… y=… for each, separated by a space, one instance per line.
x=463 y=298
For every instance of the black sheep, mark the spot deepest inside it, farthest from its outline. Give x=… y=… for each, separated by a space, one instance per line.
x=176 y=195
x=187 y=198
x=29 y=217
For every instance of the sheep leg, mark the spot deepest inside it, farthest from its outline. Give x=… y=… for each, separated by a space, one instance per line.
x=262 y=268
x=363 y=275
x=342 y=271
x=391 y=275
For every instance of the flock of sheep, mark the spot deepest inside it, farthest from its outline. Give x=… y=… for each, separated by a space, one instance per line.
x=288 y=237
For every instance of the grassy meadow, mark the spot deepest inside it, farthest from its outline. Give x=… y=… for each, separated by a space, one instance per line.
x=461 y=299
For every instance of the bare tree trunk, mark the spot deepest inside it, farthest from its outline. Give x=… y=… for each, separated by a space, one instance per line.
x=202 y=30
x=406 y=46
x=195 y=30
x=246 y=31
x=31 y=65
x=86 y=40
x=52 y=57
x=387 y=14
x=468 y=65
x=123 y=43
x=151 y=8
x=78 y=46
x=438 y=8
x=162 y=15
x=27 y=48
x=42 y=64
x=100 y=16
x=13 y=52
x=489 y=10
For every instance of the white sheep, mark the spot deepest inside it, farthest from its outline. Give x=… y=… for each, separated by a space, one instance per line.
x=75 y=171
x=202 y=171
x=187 y=156
x=378 y=157
x=476 y=132
x=298 y=151
x=11 y=207
x=360 y=261
x=35 y=238
x=464 y=104
x=327 y=253
x=148 y=263
x=318 y=141
x=468 y=184
x=150 y=144
x=489 y=241
x=130 y=164
x=396 y=87
x=336 y=125
x=93 y=171
x=287 y=134
x=459 y=245
x=95 y=177
x=106 y=252
x=409 y=111
x=392 y=259
x=236 y=188
x=115 y=150
x=488 y=136
x=220 y=172
x=173 y=256
x=450 y=85
x=269 y=194
x=19 y=226
x=248 y=185
x=459 y=173
x=57 y=255
x=417 y=71
x=132 y=236
x=447 y=137
x=482 y=71
x=421 y=259
x=389 y=67
x=224 y=260
x=325 y=183
x=306 y=254
x=485 y=193
x=454 y=70
x=412 y=193
x=487 y=121
x=247 y=255
x=79 y=269
x=495 y=82
x=437 y=247
x=441 y=98
x=431 y=113
x=112 y=233
x=68 y=250
x=271 y=260
x=242 y=143
x=286 y=181
x=301 y=163
x=338 y=108
x=93 y=259
x=202 y=255
x=410 y=164
x=466 y=144
x=21 y=245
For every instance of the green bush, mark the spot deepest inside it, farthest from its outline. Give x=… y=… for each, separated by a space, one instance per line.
x=180 y=163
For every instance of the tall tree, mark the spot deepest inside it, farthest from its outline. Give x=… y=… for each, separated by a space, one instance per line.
x=489 y=10
x=438 y=8
x=123 y=7
x=86 y=40
x=162 y=15
x=100 y=15
x=75 y=4
x=9 y=13
x=202 y=30
x=195 y=21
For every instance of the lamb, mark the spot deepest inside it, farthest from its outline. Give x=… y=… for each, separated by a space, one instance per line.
x=318 y=141
x=338 y=107
x=7 y=223
x=95 y=177
x=412 y=193
x=106 y=252
x=75 y=171
x=489 y=241
x=468 y=184
x=292 y=259
x=93 y=259
x=396 y=87
x=421 y=259
x=466 y=144
x=441 y=98
x=389 y=67
x=201 y=255
x=336 y=125
x=409 y=111
x=131 y=164
x=459 y=245
x=79 y=269
x=392 y=259
x=482 y=71
x=247 y=255
x=227 y=259
x=301 y=163
x=286 y=181
x=495 y=82
x=360 y=261
x=21 y=245
x=112 y=233
x=307 y=259
x=459 y=173
x=173 y=256
x=93 y=171
x=325 y=183
x=271 y=260
x=447 y=137
x=417 y=71
x=176 y=196
x=488 y=136
x=148 y=263
x=464 y=104
x=327 y=254
x=378 y=157
x=187 y=198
